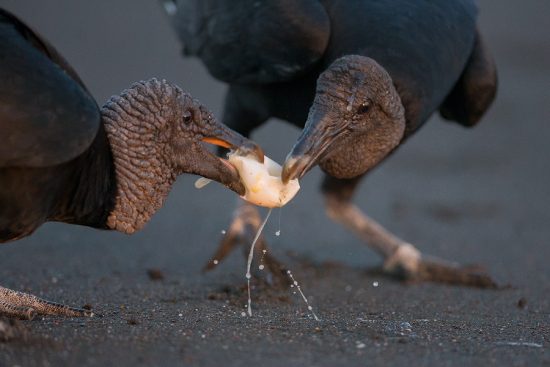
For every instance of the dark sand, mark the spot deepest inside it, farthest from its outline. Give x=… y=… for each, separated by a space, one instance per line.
x=474 y=196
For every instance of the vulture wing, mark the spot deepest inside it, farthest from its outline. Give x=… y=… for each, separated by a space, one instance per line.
x=47 y=116
x=250 y=41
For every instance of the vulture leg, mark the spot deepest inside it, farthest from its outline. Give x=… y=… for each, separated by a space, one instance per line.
x=243 y=229
x=26 y=306
x=400 y=258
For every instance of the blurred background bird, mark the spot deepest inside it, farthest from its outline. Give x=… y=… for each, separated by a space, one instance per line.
x=361 y=77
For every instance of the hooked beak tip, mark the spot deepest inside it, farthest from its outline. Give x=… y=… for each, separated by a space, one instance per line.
x=295 y=167
x=255 y=150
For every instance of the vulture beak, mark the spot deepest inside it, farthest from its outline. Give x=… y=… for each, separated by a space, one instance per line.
x=236 y=142
x=318 y=135
x=207 y=164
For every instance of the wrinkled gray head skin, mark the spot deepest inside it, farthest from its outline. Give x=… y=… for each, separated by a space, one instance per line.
x=356 y=119
x=157 y=132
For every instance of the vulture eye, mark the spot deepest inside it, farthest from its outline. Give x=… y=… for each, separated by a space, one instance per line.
x=363 y=108
x=188 y=116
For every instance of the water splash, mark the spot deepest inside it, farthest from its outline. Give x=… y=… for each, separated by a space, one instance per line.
x=278 y=232
x=262 y=266
x=250 y=258
x=295 y=283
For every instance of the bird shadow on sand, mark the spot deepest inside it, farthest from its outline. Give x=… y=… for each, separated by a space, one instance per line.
x=20 y=333
x=324 y=274
x=329 y=268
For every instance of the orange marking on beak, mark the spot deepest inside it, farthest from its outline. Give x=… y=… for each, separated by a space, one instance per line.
x=217 y=141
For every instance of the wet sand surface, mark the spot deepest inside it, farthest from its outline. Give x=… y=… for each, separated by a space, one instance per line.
x=472 y=196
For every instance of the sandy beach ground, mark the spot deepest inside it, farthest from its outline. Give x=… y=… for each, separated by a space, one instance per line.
x=473 y=196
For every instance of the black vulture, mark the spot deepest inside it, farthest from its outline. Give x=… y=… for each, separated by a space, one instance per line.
x=64 y=159
x=361 y=76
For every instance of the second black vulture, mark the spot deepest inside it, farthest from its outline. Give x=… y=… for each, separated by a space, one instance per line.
x=64 y=159
x=361 y=76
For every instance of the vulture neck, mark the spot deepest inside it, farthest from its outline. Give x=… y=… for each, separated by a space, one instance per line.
x=90 y=196
x=126 y=175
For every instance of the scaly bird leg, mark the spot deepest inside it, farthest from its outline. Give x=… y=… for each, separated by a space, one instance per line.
x=401 y=258
x=26 y=306
x=245 y=225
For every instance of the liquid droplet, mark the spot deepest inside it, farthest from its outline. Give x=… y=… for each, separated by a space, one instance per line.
x=278 y=233
x=295 y=283
x=251 y=257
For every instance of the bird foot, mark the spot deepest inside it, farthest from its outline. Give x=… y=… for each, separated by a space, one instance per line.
x=242 y=231
x=407 y=262
x=26 y=306
x=406 y=259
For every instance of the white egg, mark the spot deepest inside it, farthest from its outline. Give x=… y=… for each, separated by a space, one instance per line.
x=263 y=182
